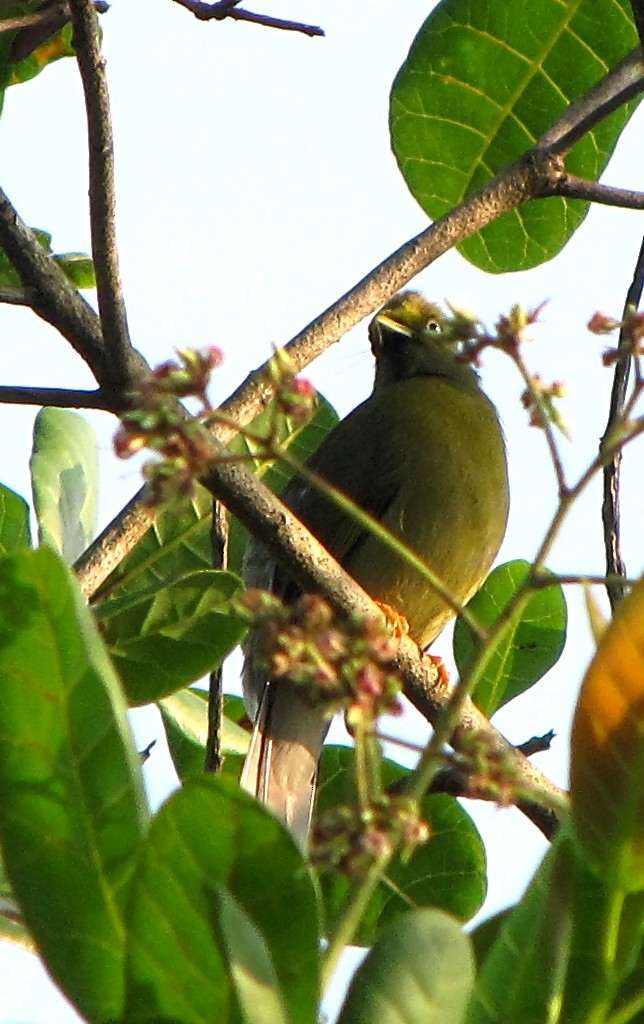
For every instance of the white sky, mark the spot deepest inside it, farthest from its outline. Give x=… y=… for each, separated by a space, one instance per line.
x=255 y=186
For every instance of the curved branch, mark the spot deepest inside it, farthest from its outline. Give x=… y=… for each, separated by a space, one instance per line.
x=109 y=290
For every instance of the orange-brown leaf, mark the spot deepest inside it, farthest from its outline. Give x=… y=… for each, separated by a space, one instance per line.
x=607 y=761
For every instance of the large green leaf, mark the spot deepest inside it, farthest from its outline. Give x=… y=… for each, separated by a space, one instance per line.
x=165 y=637
x=64 y=478
x=564 y=952
x=449 y=871
x=528 y=647
x=14 y=522
x=483 y=80
x=185 y=719
x=72 y=807
x=420 y=971
x=213 y=855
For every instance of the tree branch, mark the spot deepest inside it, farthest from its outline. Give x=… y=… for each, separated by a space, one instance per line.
x=54 y=297
x=62 y=398
x=229 y=9
x=574 y=187
x=615 y=566
x=111 y=304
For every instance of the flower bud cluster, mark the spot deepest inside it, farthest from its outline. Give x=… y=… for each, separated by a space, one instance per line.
x=341 y=662
x=539 y=401
x=632 y=341
x=352 y=841
x=490 y=771
x=155 y=421
x=294 y=396
x=510 y=331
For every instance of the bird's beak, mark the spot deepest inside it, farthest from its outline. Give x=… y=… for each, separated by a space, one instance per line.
x=388 y=322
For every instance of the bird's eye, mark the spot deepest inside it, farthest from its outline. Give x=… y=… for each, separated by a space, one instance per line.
x=434 y=327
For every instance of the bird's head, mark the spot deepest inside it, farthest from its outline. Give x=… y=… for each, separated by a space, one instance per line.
x=408 y=340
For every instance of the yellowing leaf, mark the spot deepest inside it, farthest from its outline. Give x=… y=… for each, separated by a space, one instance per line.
x=607 y=761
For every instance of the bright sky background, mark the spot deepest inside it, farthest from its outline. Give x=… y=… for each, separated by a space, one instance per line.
x=255 y=186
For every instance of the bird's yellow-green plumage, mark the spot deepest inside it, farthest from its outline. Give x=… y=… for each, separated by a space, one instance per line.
x=425 y=456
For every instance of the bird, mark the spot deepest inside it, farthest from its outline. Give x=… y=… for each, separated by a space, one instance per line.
x=425 y=455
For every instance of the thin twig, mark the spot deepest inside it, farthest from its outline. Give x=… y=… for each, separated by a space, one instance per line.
x=219 y=535
x=615 y=566
x=573 y=187
x=62 y=398
x=91 y=64
x=229 y=9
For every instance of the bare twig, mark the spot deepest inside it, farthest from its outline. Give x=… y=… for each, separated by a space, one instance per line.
x=228 y=9
x=101 y=193
x=615 y=566
x=60 y=397
x=573 y=187
x=54 y=297
x=219 y=535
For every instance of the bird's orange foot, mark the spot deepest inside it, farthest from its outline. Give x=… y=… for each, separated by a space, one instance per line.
x=397 y=622
x=439 y=665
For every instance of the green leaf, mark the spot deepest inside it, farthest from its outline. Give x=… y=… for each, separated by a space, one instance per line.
x=420 y=972
x=165 y=637
x=78 y=267
x=34 y=47
x=64 y=478
x=529 y=645
x=207 y=839
x=448 y=872
x=72 y=808
x=185 y=718
x=523 y=974
x=479 y=87
x=15 y=533
x=564 y=952
x=249 y=964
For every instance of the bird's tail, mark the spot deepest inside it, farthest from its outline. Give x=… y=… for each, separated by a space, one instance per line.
x=281 y=766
